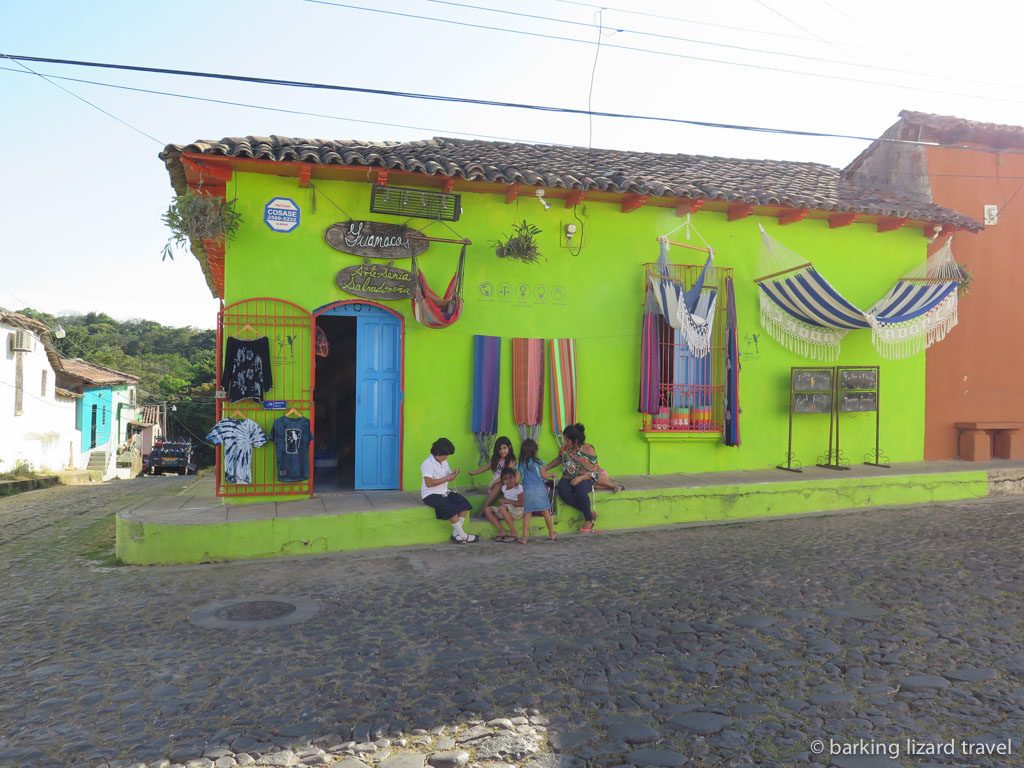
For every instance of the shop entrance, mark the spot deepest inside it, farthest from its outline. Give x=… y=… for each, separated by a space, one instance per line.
x=358 y=398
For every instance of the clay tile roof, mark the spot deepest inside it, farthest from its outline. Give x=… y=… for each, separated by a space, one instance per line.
x=96 y=374
x=947 y=129
x=40 y=329
x=149 y=414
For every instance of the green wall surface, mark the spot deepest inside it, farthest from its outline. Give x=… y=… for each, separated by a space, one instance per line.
x=602 y=309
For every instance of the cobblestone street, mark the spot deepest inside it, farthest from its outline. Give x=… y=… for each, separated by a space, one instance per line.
x=824 y=640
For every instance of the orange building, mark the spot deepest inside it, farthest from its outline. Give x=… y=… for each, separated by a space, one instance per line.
x=977 y=373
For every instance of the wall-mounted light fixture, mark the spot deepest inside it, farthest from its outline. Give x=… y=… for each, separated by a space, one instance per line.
x=545 y=203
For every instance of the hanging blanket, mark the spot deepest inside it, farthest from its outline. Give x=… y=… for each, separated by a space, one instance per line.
x=486 y=386
x=650 y=361
x=680 y=308
x=563 y=385
x=428 y=308
x=528 y=386
x=731 y=404
x=804 y=313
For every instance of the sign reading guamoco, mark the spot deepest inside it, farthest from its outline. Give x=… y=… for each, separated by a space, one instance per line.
x=375 y=239
x=375 y=281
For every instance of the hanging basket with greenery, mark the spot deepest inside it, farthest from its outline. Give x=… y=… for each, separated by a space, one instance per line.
x=196 y=217
x=520 y=244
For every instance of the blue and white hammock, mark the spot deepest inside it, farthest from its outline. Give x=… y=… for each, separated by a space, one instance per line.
x=804 y=313
x=690 y=311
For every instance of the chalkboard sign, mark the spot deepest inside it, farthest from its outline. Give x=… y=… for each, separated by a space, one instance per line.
x=812 y=402
x=812 y=379
x=375 y=239
x=858 y=378
x=858 y=401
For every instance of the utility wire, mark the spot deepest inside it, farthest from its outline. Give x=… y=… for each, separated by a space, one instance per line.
x=676 y=38
x=636 y=49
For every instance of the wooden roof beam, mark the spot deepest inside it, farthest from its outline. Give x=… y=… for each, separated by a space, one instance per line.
x=841 y=220
x=633 y=201
x=686 y=205
x=381 y=178
x=305 y=175
x=739 y=211
x=448 y=185
x=574 y=198
x=512 y=193
x=793 y=215
x=890 y=223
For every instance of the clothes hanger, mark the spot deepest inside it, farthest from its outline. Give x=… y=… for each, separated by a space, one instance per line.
x=235 y=413
x=292 y=412
x=248 y=328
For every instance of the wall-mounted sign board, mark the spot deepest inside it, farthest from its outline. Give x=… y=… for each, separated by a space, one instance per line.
x=375 y=239
x=375 y=281
x=858 y=378
x=812 y=379
x=812 y=402
x=852 y=402
x=281 y=214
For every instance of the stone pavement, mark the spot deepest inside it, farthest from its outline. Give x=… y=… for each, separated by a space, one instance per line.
x=819 y=640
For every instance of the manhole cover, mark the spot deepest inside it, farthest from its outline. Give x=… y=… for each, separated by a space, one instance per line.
x=253 y=613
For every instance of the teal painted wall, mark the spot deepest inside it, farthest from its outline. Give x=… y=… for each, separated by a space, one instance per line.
x=100 y=397
x=602 y=308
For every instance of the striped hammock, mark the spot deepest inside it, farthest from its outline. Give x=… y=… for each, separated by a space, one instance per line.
x=804 y=313
x=483 y=422
x=563 y=385
x=431 y=310
x=528 y=386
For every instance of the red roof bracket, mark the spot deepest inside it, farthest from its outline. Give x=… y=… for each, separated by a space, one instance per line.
x=381 y=178
x=447 y=186
x=574 y=198
x=512 y=193
x=632 y=202
x=841 y=220
x=305 y=174
x=793 y=215
x=889 y=223
x=687 y=205
x=207 y=171
x=210 y=190
x=740 y=211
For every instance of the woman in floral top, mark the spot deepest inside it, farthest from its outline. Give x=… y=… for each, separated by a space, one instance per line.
x=579 y=470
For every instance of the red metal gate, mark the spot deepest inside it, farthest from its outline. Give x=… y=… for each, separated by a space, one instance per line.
x=289 y=329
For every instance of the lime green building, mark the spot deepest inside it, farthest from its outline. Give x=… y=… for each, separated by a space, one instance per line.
x=335 y=235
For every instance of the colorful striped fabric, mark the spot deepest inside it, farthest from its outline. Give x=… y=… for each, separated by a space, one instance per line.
x=563 y=385
x=731 y=428
x=486 y=391
x=528 y=385
x=650 y=360
x=431 y=310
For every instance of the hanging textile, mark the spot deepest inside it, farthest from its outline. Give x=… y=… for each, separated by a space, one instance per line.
x=731 y=400
x=486 y=387
x=804 y=313
x=431 y=310
x=650 y=361
x=563 y=385
x=323 y=347
x=528 y=386
x=679 y=306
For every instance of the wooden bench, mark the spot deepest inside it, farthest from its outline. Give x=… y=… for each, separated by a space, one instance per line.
x=976 y=440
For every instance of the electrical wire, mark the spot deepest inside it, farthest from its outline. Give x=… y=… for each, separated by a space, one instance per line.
x=636 y=49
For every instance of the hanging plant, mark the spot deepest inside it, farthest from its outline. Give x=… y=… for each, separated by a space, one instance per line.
x=195 y=217
x=520 y=244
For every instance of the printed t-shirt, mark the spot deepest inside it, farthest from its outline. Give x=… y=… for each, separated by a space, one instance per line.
x=247 y=373
x=239 y=437
x=291 y=438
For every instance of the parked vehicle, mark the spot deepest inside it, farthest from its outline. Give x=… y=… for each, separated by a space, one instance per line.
x=170 y=456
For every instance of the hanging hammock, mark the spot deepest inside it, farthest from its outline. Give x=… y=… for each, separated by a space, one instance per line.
x=680 y=308
x=563 y=385
x=486 y=386
x=434 y=311
x=528 y=386
x=804 y=313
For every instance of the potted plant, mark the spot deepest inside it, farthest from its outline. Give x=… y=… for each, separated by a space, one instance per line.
x=196 y=217
x=520 y=244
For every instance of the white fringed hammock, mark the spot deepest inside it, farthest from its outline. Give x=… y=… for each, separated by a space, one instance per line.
x=804 y=313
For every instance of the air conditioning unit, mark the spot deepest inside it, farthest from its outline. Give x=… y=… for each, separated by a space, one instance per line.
x=21 y=341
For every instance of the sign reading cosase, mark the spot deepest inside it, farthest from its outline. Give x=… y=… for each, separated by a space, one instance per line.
x=375 y=281
x=281 y=214
x=375 y=239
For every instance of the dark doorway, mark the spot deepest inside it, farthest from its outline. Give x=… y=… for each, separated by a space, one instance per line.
x=92 y=432
x=334 y=453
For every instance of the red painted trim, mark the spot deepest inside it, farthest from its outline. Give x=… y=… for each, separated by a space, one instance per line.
x=574 y=198
x=687 y=205
x=739 y=211
x=381 y=178
x=211 y=190
x=512 y=193
x=305 y=174
x=890 y=223
x=448 y=185
x=633 y=201
x=841 y=220
x=793 y=215
x=207 y=171
x=401 y=410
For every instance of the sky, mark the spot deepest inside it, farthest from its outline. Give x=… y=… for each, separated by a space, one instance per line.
x=82 y=189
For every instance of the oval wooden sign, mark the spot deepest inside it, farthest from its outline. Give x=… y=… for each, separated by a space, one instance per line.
x=375 y=281
x=375 y=239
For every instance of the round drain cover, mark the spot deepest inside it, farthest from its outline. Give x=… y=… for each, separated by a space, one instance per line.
x=260 y=612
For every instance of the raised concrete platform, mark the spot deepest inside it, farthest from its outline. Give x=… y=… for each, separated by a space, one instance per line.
x=194 y=526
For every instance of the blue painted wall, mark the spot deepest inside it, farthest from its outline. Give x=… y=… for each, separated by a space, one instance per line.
x=101 y=397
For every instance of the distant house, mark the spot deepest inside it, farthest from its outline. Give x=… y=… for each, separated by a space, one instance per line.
x=977 y=168
x=37 y=409
x=106 y=407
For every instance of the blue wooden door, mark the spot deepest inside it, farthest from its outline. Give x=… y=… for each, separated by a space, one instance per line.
x=378 y=400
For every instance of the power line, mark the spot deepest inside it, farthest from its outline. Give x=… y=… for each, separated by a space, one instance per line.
x=636 y=49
